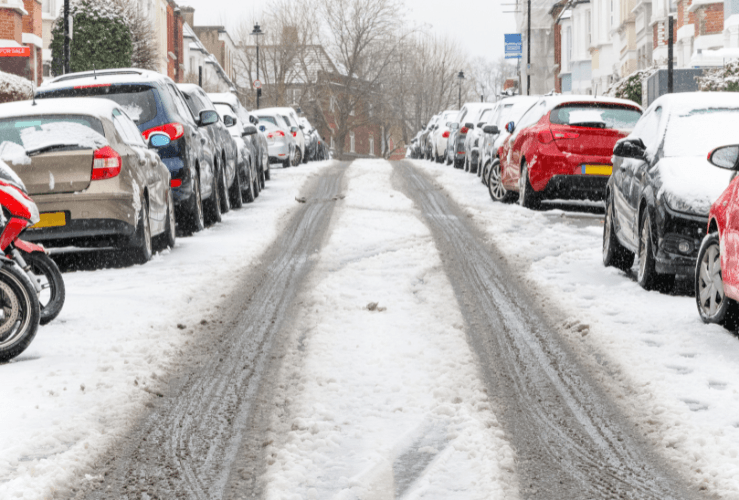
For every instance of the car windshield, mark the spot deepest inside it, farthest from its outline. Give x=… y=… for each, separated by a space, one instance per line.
x=138 y=101
x=43 y=133
x=268 y=119
x=596 y=115
x=698 y=131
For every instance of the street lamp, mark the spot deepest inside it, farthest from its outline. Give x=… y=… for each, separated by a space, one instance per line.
x=460 y=77
x=257 y=33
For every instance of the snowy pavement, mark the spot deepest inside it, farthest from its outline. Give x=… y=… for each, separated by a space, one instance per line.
x=89 y=374
x=384 y=401
x=675 y=376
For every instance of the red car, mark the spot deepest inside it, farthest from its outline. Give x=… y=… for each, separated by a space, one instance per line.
x=561 y=147
x=717 y=267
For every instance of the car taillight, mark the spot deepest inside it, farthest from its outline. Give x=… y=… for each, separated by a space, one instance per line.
x=566 y=135
x=295 y=134
x=173 y=130
x=106 y=164
x=445 y=135
x=545 y=136
x=464 y=130
x=92 y=86
x=175 y=183
x=275 y=134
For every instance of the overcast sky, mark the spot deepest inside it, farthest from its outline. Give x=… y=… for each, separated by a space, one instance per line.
x=478 y=25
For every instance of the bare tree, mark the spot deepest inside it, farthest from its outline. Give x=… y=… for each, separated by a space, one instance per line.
x=143 y=34
x=488 y=77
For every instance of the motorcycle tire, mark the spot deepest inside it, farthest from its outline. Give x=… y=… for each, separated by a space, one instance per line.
x=20 y=311
x=53 y=292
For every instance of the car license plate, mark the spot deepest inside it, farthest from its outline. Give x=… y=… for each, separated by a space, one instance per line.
x=597 y=169
x=51 y=219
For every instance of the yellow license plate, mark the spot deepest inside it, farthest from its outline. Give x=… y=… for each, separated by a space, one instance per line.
x=597 y=169
x=52 y=219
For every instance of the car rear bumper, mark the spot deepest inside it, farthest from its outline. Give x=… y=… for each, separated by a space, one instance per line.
x=576 y=187
x=279 y=152
x=561 y=175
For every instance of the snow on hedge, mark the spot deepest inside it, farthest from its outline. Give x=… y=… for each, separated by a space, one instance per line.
x=630 y=87
x=14 y=88
x=724 y=79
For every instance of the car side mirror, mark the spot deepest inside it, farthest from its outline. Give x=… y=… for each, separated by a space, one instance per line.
x=630 y=148
x=249 y=130
x=208 y=117
x=481 y=124
x=491 y=129
x=470 y=126
x=294 y=129
x=510 y=127
x=725 y=157
x=159 y=140
x=302 y=127
x=229 y=121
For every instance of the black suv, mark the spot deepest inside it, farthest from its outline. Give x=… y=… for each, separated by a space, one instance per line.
x=155 y=103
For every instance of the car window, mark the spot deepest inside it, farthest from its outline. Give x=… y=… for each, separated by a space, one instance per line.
x=36 y=132
x=287 y=121
x=179 y=103
x=596 y=115
x=139 y=101
x=268 y=119
x=194 y=102
x=484 y=116
x=205 y=99
x=123 y=125
x=647 y=128
x=225 y=110
x=532 y=116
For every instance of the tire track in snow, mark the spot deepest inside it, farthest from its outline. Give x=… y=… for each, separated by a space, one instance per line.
x=185 y=447
x=570 y=441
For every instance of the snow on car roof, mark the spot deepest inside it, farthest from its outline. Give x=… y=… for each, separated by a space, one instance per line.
x=554 y=101
x=698 y=100
x=225 y=97
x=188 y=87
x=278 y=110
x=90 y=106
x=117 y=76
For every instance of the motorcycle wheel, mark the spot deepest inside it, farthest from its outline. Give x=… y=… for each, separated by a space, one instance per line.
x=19 y=311
x=53 y=293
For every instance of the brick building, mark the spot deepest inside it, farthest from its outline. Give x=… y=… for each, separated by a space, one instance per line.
x=175 y=50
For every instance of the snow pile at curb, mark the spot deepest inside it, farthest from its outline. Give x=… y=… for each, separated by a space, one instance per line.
x=88 y=375
x=381 y=396
x=676 y=377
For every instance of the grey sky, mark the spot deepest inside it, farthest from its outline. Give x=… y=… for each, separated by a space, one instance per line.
x=478 y=25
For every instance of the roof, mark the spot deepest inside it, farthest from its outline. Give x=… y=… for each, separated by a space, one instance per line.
x=277 y=110
x=114 y=76
x=226 y=98
x=87 y=106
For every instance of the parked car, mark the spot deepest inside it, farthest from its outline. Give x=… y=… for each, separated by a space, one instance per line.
x=474 y=120
x=156 y=105
x=222 y=145
x=280 y=140
x=716 y=277
x=440 y=135
x=291 y=118
x=416 y=145
x=562 y=146
x=257 y=142
x=510 y=109
x=456 y=152
x=248 y=177
x=425 y=137
x=94 y=179
x=311 y=139
x=660 y=194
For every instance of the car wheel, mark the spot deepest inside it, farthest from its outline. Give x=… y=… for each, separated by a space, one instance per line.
x=466 y=165
x=214 y=202
x=297 y=158
x=447 y=158
x=141 y=247
x=647 y=275
x=713 y=304
x=234 y=198
x=196 y=218
x=495 y=185
x=223 y=186
x=527 y=197
x=266 y=172
x=255 y=185
x=614 y=253
x=248 y=190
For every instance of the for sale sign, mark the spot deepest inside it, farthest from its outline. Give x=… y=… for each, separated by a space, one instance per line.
x=15 y=52
x=513 y=46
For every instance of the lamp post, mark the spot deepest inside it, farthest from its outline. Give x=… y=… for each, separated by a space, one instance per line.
x=460 y=77
x=67 y=37
x=257 y=33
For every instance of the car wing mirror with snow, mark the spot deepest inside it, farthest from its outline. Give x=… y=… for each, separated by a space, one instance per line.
x=630 y=148
x=249 y=130
x=725 y=157
x=229 y=121
x=469 y=125
x=159 y=140
x=491 y=129
x=481 y=124
x=510 y=127
x=208 y=117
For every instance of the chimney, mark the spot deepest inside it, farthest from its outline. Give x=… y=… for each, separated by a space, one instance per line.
x=188 y=14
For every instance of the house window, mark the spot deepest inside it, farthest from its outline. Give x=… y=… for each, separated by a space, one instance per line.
x=295 y=95
x=351 y=142
x=372 y=146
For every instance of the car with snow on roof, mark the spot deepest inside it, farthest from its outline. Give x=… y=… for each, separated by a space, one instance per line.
x=473 y=118
x=283 y=147
x=440 y=135
x=95 y=180
x=291 y=117
x=660 y=194
x=153 y=101
x=561 y=147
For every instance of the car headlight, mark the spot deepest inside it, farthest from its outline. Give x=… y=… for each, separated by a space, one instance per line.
x=680 y=205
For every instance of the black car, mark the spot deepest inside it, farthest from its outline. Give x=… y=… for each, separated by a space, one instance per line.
x=662 y=186
x=225 y=154
x=155 y=104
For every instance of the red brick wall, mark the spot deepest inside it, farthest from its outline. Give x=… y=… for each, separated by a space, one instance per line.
x=171 y=64
x=32 y=22
x=10 y=25
x=655 y=35
x=710 y=19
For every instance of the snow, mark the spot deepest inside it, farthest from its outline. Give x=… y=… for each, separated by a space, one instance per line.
x=380 y=368
x=586 y=116
x=11 y=152
x=677 y=378
x=82 y=382
x=61 y=133
x=691 y=184
x=698 y=129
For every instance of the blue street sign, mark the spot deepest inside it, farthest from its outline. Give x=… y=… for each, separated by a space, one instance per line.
x=513 y=46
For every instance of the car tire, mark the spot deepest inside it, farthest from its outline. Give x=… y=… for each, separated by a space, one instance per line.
x=496 y=190
x=256 y=185
x=234 y=198
x=195 y=219
x=447 y=159
x=713 y=304
x=213 y=210
x=141 y=248
x=43 y=265
x=266 y=171
x=527 y=197
x=647 y=275
x=223 y=186
x=614 y=253
x=169 y=236
x=298 y=158
x=247 y=192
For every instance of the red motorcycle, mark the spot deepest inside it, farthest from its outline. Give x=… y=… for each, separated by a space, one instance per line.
x=20 y=310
